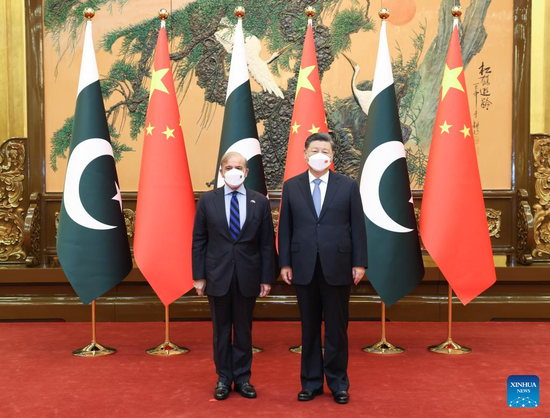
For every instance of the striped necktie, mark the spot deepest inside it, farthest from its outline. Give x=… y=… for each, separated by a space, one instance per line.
x=234 y=216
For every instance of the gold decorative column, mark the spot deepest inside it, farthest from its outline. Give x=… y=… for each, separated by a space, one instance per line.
x=13 y=88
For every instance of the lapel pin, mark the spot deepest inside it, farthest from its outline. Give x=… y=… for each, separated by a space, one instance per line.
x=252 y=201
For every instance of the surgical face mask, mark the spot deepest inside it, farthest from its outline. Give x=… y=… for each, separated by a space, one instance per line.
x=234 y=177
x=319 y=161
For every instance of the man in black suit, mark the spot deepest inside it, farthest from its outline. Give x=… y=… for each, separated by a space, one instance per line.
x=322 y=250
x=233 y=249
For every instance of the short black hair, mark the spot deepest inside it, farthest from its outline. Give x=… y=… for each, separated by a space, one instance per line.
x=320 y=136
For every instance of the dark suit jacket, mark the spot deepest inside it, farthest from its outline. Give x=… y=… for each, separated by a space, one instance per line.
x=216 y=254
x=339 y=234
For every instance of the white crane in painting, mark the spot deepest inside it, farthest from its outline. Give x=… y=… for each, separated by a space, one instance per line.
x=257 y=67
x=362 y=97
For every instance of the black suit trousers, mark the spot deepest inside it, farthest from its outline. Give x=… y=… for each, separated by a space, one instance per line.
x=232 y=316
x=313 y=299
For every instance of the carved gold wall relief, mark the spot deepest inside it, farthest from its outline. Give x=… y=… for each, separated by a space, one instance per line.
x=541 y=154
x=56 y=222
x=130 y=221
x=494 y=221
x=12 y=168
x=32 y=230
x=275 y=217
x=11 y=235
x=525 y=230
x=417 y=218
x=542 y=231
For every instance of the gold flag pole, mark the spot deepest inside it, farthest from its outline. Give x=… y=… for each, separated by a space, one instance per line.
x=310 y=13
x=383 y=346
x=449 y=346
x=167 y=348
x=239 y=13
x=94 y=349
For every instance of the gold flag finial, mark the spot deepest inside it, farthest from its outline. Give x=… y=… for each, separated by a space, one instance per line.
x=310 y=12
x=89 y=13
x=239 y=12
x=163 y=14
x=384 y=13
x=456 y=11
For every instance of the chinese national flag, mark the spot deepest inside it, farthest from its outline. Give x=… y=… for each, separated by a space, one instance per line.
x=308 y=116
x=453 y=223
x=166 y=205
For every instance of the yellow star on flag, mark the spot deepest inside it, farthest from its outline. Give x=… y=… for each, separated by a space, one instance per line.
x=169 y=133
x=156 y=81
x=466 y=131
x=314 y=129
x=303 y=80
x=149 y=129
x=445 y=127
x=295 y=128
x=450 y=80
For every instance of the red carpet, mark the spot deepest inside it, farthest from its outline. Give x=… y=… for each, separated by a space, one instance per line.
x=40 y=378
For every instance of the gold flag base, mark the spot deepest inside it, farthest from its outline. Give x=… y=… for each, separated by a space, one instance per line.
x=167 y=349
x=297 y=349
x=94 y=350
x=383 y=347
x=449 y=347
x=256 y=349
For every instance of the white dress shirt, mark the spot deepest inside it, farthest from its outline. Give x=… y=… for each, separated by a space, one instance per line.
x=322 y=185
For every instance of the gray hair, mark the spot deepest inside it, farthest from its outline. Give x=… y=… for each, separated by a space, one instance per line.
x=231 y=154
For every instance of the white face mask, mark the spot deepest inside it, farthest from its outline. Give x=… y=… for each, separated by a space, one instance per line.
x=319 y=161
x=234 y=177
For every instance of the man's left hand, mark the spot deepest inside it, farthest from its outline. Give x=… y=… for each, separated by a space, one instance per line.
x=265 y=289
x=357 y=273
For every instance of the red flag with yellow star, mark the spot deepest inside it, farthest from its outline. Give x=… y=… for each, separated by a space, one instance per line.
x=166 y=205
x=453 y=223
x=308 y=116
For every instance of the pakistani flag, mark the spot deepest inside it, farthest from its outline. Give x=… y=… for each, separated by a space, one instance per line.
x=395 y=260
x=91 y=240
x=239 y=133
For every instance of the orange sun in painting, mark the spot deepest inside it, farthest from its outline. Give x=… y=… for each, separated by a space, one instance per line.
x=401 y=11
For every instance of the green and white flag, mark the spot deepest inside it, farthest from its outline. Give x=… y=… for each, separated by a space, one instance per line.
x=395 y=259
x=92 y=244
x=239 y=132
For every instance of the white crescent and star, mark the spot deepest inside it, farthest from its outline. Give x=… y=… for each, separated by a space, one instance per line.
x=82 y=155
x=375 y=166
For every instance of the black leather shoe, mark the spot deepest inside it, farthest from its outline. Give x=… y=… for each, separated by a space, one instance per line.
x=246 y=390
x=342 y=396
x=309 y=394
x=221 y=391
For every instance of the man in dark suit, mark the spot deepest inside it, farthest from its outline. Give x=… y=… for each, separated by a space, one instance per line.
x=233 y=249
x=322 y=250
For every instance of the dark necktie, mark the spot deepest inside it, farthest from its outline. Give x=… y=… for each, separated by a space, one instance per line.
x=234 y=216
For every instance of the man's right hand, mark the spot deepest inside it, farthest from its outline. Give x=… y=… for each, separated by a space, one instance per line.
x=200 y=285
x=286 y=274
